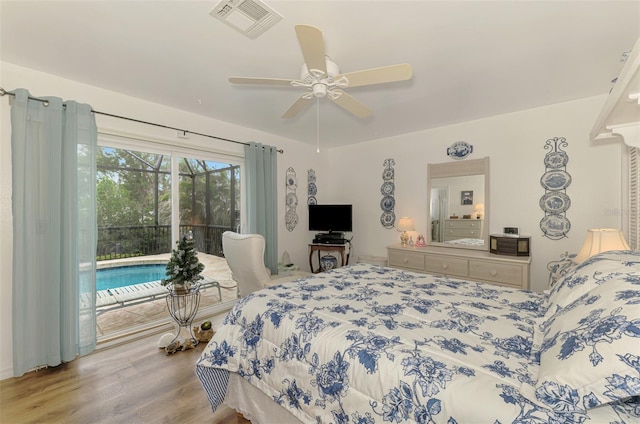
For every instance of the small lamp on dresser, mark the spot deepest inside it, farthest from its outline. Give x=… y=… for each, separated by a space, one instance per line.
x=404 y=224
x=479 y=210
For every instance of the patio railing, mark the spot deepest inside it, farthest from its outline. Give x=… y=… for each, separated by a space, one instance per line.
x=129 y=241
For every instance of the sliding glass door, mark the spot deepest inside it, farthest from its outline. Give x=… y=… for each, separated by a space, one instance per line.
x=148 y=197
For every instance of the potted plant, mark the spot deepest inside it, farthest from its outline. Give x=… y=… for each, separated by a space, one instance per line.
x=184 y=268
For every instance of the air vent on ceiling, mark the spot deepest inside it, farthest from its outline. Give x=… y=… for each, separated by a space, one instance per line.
x=250 y=17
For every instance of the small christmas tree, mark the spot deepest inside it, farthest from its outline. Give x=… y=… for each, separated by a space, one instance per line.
x=184 y=268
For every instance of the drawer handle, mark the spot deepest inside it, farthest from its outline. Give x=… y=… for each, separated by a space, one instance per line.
x=493 y=272
x=405 y=260
x=445 y=266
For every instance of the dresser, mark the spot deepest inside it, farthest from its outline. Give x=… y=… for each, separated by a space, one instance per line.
x=455 y=229
x=476 y=265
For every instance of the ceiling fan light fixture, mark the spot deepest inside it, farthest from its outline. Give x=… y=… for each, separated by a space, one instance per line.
x=319 y=89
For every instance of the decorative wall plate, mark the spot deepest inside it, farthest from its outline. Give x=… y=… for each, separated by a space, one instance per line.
x=292 y=181
x=555 y=160
x=388 y=219
x=291 y=219
x=555 y=180
x=459 y=150
x=387 y=188
x=555 y=226
x=387 y=203
x=292 y=199
x=555 y=202
x=312 y=190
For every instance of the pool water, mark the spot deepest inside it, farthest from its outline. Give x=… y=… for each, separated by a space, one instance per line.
x=111 y=278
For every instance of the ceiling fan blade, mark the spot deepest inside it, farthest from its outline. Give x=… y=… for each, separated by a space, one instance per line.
x=312 y=45
x=350 y=104
x=297 y=107
x=392 y=73
x=261 y=81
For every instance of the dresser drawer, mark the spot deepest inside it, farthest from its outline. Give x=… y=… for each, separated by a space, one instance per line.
x=446 y=265
x=462 y=233
x=499 y=272
x=408 y=260
x=467 y=224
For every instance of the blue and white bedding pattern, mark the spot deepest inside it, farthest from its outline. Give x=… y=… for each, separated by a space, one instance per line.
x=466 y=242
x=368 y=344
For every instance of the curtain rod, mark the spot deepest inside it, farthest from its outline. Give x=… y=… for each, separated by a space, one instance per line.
x=4 y=92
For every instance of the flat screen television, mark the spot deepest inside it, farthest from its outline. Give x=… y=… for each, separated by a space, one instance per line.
x=330 y=218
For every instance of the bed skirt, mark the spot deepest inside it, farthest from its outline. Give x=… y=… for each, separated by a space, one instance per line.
x=253 y=404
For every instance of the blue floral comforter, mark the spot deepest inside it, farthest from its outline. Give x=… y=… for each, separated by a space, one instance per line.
x=368 y=344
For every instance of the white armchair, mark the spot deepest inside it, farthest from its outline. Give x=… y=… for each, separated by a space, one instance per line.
x=245 y=256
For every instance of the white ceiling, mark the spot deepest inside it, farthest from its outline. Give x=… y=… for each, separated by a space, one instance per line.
x=471 y=59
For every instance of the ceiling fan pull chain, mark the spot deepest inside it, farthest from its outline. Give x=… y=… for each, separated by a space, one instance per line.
x=318 y=125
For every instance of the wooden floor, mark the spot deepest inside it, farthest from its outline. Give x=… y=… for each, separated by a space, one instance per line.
x=132 y=383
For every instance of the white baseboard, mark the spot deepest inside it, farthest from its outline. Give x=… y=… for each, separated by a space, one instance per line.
x=6 y=373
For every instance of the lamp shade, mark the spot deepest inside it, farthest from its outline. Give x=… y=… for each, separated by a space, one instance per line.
x=600 y=240
x=405 y=224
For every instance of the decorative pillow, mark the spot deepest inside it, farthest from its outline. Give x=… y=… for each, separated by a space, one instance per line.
x=592 y=273
x=590 y=354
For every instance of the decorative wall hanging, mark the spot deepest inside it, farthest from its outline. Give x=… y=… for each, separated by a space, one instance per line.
x=459 y=150
x=388 y=202
x=291 y=217
x=312 y=189
x=555 y=201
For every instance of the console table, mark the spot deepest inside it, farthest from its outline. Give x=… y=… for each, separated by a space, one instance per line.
x=316 y=247
x=477 y=265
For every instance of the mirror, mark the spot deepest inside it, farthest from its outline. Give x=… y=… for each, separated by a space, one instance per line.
x=458 y=199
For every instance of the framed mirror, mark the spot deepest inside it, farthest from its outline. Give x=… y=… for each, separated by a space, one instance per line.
x=458 y=199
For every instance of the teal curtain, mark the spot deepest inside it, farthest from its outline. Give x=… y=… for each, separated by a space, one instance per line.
x=53 y=148
x=262 y=210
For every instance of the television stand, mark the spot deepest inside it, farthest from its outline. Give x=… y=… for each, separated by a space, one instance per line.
x=340 y=248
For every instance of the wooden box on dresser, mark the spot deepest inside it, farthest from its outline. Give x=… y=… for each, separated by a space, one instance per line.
x=476 y=265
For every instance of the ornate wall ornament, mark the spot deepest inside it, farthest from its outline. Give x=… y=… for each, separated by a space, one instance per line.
x=555 y=201
x=291 y=199
x=459 y=150
x=312 y=189
x=388 y=202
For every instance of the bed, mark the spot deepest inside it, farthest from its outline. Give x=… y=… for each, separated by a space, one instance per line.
x=367 y=344
x=466 y=242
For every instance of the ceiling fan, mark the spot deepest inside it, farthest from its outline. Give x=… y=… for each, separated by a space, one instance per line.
x=321 y=77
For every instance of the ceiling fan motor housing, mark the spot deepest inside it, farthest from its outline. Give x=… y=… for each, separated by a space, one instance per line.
x=318 y=79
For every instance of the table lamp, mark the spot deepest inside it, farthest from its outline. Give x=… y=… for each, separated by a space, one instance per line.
x=404 y=224
x=479 y=209
x=601 y=240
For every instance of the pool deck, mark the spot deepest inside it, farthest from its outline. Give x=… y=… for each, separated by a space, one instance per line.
x=117 y=320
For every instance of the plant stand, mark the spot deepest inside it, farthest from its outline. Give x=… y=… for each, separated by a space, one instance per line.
x=183 y=308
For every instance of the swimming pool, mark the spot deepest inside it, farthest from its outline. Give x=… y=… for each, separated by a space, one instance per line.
x=120 y=276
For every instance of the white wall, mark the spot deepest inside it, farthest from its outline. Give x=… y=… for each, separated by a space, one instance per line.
x=515 y=144
x=353 y=174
